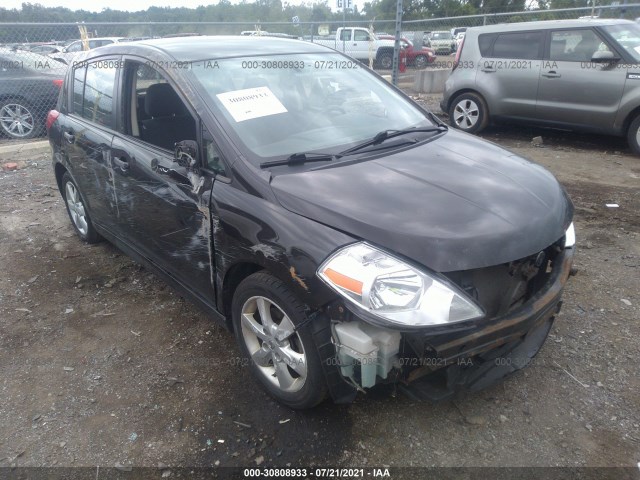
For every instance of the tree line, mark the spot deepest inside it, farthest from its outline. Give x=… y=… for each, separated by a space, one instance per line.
x=255 y=13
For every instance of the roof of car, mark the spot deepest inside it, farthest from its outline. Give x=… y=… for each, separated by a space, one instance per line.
x=513 y=27
x=217 y=46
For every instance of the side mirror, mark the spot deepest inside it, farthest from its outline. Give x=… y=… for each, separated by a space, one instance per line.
x=186 y=153
x=604 y=56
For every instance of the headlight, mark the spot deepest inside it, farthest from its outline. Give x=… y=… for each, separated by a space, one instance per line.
x=393 y=291
x=570 y=237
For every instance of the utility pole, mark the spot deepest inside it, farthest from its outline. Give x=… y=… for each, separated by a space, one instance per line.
x=343 y=4
x=396 y=46
x=344 y=23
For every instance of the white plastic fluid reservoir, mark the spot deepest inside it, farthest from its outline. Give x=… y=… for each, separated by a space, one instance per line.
x=356 y=347
x=388 y=343
x=373 y=348
x=352 y=335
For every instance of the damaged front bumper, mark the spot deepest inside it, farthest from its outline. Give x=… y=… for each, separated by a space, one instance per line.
x=357 y=355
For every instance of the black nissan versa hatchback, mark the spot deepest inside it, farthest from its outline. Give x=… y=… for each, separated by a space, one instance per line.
x=344 y=234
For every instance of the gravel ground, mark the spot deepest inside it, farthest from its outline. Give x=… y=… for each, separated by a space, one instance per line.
x=105 y=365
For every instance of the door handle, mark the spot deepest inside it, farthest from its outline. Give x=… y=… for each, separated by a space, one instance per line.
x=121 y=164
x=488 y=69
x=551 y=74
x=69 y=137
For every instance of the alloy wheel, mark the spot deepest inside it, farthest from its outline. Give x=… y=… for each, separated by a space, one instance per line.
x=273 y=344
x=466 y=114
x=16 y=120
x=76 y=208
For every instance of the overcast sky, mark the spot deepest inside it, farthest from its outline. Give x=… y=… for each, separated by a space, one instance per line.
x=128 y=5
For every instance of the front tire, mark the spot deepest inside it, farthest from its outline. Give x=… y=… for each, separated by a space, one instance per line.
x=77 y=210
x=18 y=120
x=284 y=360
x=468 y=112
x=633 y=135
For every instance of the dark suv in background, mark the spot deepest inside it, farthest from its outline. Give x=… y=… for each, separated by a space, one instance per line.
x=573 y=74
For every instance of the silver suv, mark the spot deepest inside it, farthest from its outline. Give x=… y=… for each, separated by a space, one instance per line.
x=574 y=74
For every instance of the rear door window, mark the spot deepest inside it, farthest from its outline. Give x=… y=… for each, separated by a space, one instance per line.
x=93 y=88
x=520 y=45
x=78 y=89
x=345 y=34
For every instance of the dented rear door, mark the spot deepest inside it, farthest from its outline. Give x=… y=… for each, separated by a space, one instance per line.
x=87 y=132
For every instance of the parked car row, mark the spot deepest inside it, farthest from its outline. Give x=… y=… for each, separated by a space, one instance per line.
x=360 y=43
x=29 y=87
x=580 y=75
x=67 y=54
x=30 y=77
x=418 y=57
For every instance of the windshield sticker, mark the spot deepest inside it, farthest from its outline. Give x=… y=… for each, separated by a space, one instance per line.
x=251 y=103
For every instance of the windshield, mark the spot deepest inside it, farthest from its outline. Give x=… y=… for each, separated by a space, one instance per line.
x=285 y=104
x=628 y=37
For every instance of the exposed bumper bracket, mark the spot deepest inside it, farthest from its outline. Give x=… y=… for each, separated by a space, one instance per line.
x=482 y=371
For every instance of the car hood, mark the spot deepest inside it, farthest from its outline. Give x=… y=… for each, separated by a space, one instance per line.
x=454 y=203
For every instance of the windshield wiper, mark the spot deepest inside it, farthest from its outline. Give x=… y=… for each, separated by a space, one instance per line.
x=299 y=158
x=387 y=134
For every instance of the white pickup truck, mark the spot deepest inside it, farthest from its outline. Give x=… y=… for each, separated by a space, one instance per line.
x=360 y=44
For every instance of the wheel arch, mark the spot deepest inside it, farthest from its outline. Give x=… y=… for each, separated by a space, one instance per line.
x=232 y=278
x=383 y=50
x=59 y=171
x=629 y=118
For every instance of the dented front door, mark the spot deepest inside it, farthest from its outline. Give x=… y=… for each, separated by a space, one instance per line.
x=163 y=212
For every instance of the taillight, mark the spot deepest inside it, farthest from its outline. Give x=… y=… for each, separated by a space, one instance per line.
x=58 y=82
x=457 y=59
x=52 y=116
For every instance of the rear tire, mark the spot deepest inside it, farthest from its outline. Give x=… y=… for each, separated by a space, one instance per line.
x=468 y=112
x=633 y=135
x=385 y=61
x=420 y=61
x=76 y=208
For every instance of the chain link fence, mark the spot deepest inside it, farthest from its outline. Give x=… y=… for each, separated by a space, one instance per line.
x=35 y=56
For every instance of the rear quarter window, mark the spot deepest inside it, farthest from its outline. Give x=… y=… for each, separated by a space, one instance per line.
x=485 y=43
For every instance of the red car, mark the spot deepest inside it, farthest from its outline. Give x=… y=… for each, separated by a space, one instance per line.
x=418 y=57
